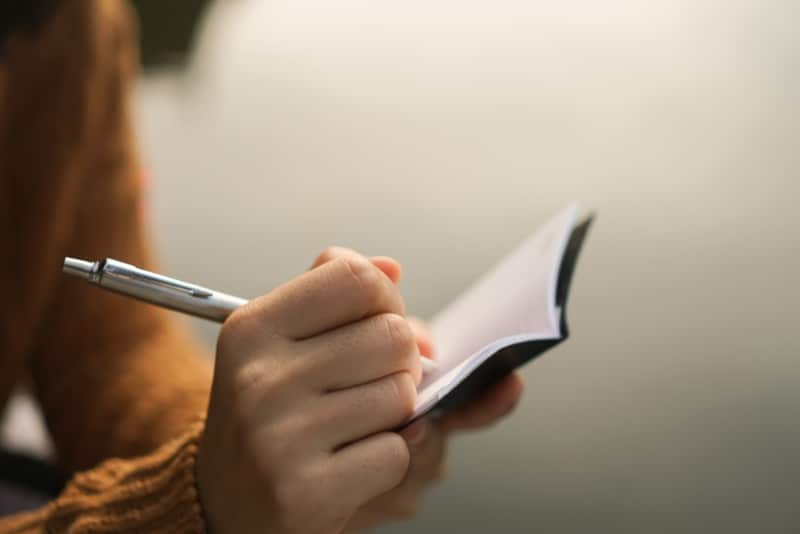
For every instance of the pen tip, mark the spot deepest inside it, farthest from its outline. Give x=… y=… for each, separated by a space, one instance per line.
x=80 y=268
x=428 y=365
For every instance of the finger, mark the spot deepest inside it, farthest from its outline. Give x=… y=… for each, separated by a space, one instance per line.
x=423 y=336
x=427 y=445
x=348 y=415
x=426 y=466
x=360 y=352
x=369 y=467
x=416 y=433
x=389 y=266
x=336 y=293
x=497 y=402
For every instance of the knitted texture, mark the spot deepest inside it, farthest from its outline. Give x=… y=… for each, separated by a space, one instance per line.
x=115 y=378
x=155 y=494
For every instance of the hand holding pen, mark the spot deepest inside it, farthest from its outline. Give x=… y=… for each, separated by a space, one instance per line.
x=309 y=380
x=228 y=461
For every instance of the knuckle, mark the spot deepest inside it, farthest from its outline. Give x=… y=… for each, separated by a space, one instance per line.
x=366 y=276
x=247 y=327
x=400 y=336
x=405 y=393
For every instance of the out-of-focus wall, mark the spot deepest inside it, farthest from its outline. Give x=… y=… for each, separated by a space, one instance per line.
x=444 y=132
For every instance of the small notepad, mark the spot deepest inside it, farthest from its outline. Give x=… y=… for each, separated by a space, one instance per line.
x=509 y=316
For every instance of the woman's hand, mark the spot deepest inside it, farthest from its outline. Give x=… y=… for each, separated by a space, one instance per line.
x=426 y=438
x=308 y=380
x=427 y=442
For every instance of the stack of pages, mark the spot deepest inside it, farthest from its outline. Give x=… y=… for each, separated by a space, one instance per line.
x=509 y=316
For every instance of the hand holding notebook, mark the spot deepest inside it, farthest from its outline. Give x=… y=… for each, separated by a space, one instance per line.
x=300 y=403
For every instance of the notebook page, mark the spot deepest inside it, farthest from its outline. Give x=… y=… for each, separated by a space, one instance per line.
x=514 y=299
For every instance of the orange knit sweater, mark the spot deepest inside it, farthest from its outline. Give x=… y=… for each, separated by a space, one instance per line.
x=121 y=384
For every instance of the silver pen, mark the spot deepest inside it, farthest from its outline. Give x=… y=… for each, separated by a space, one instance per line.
x=163 y=291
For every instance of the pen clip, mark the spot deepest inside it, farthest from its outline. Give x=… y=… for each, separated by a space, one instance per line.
x=194 y=291
x=118 y=268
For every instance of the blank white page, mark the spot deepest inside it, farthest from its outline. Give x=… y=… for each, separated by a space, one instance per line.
x=515 y=298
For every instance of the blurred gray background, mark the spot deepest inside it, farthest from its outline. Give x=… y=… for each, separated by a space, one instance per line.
x=442 y=133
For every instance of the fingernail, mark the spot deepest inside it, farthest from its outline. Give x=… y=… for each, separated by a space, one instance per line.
x=415 y=433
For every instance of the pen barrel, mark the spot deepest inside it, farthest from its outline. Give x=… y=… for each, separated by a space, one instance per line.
x=211 y=305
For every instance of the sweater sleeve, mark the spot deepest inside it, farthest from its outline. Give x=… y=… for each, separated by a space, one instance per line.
x=155 y=494
x=115 y=378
